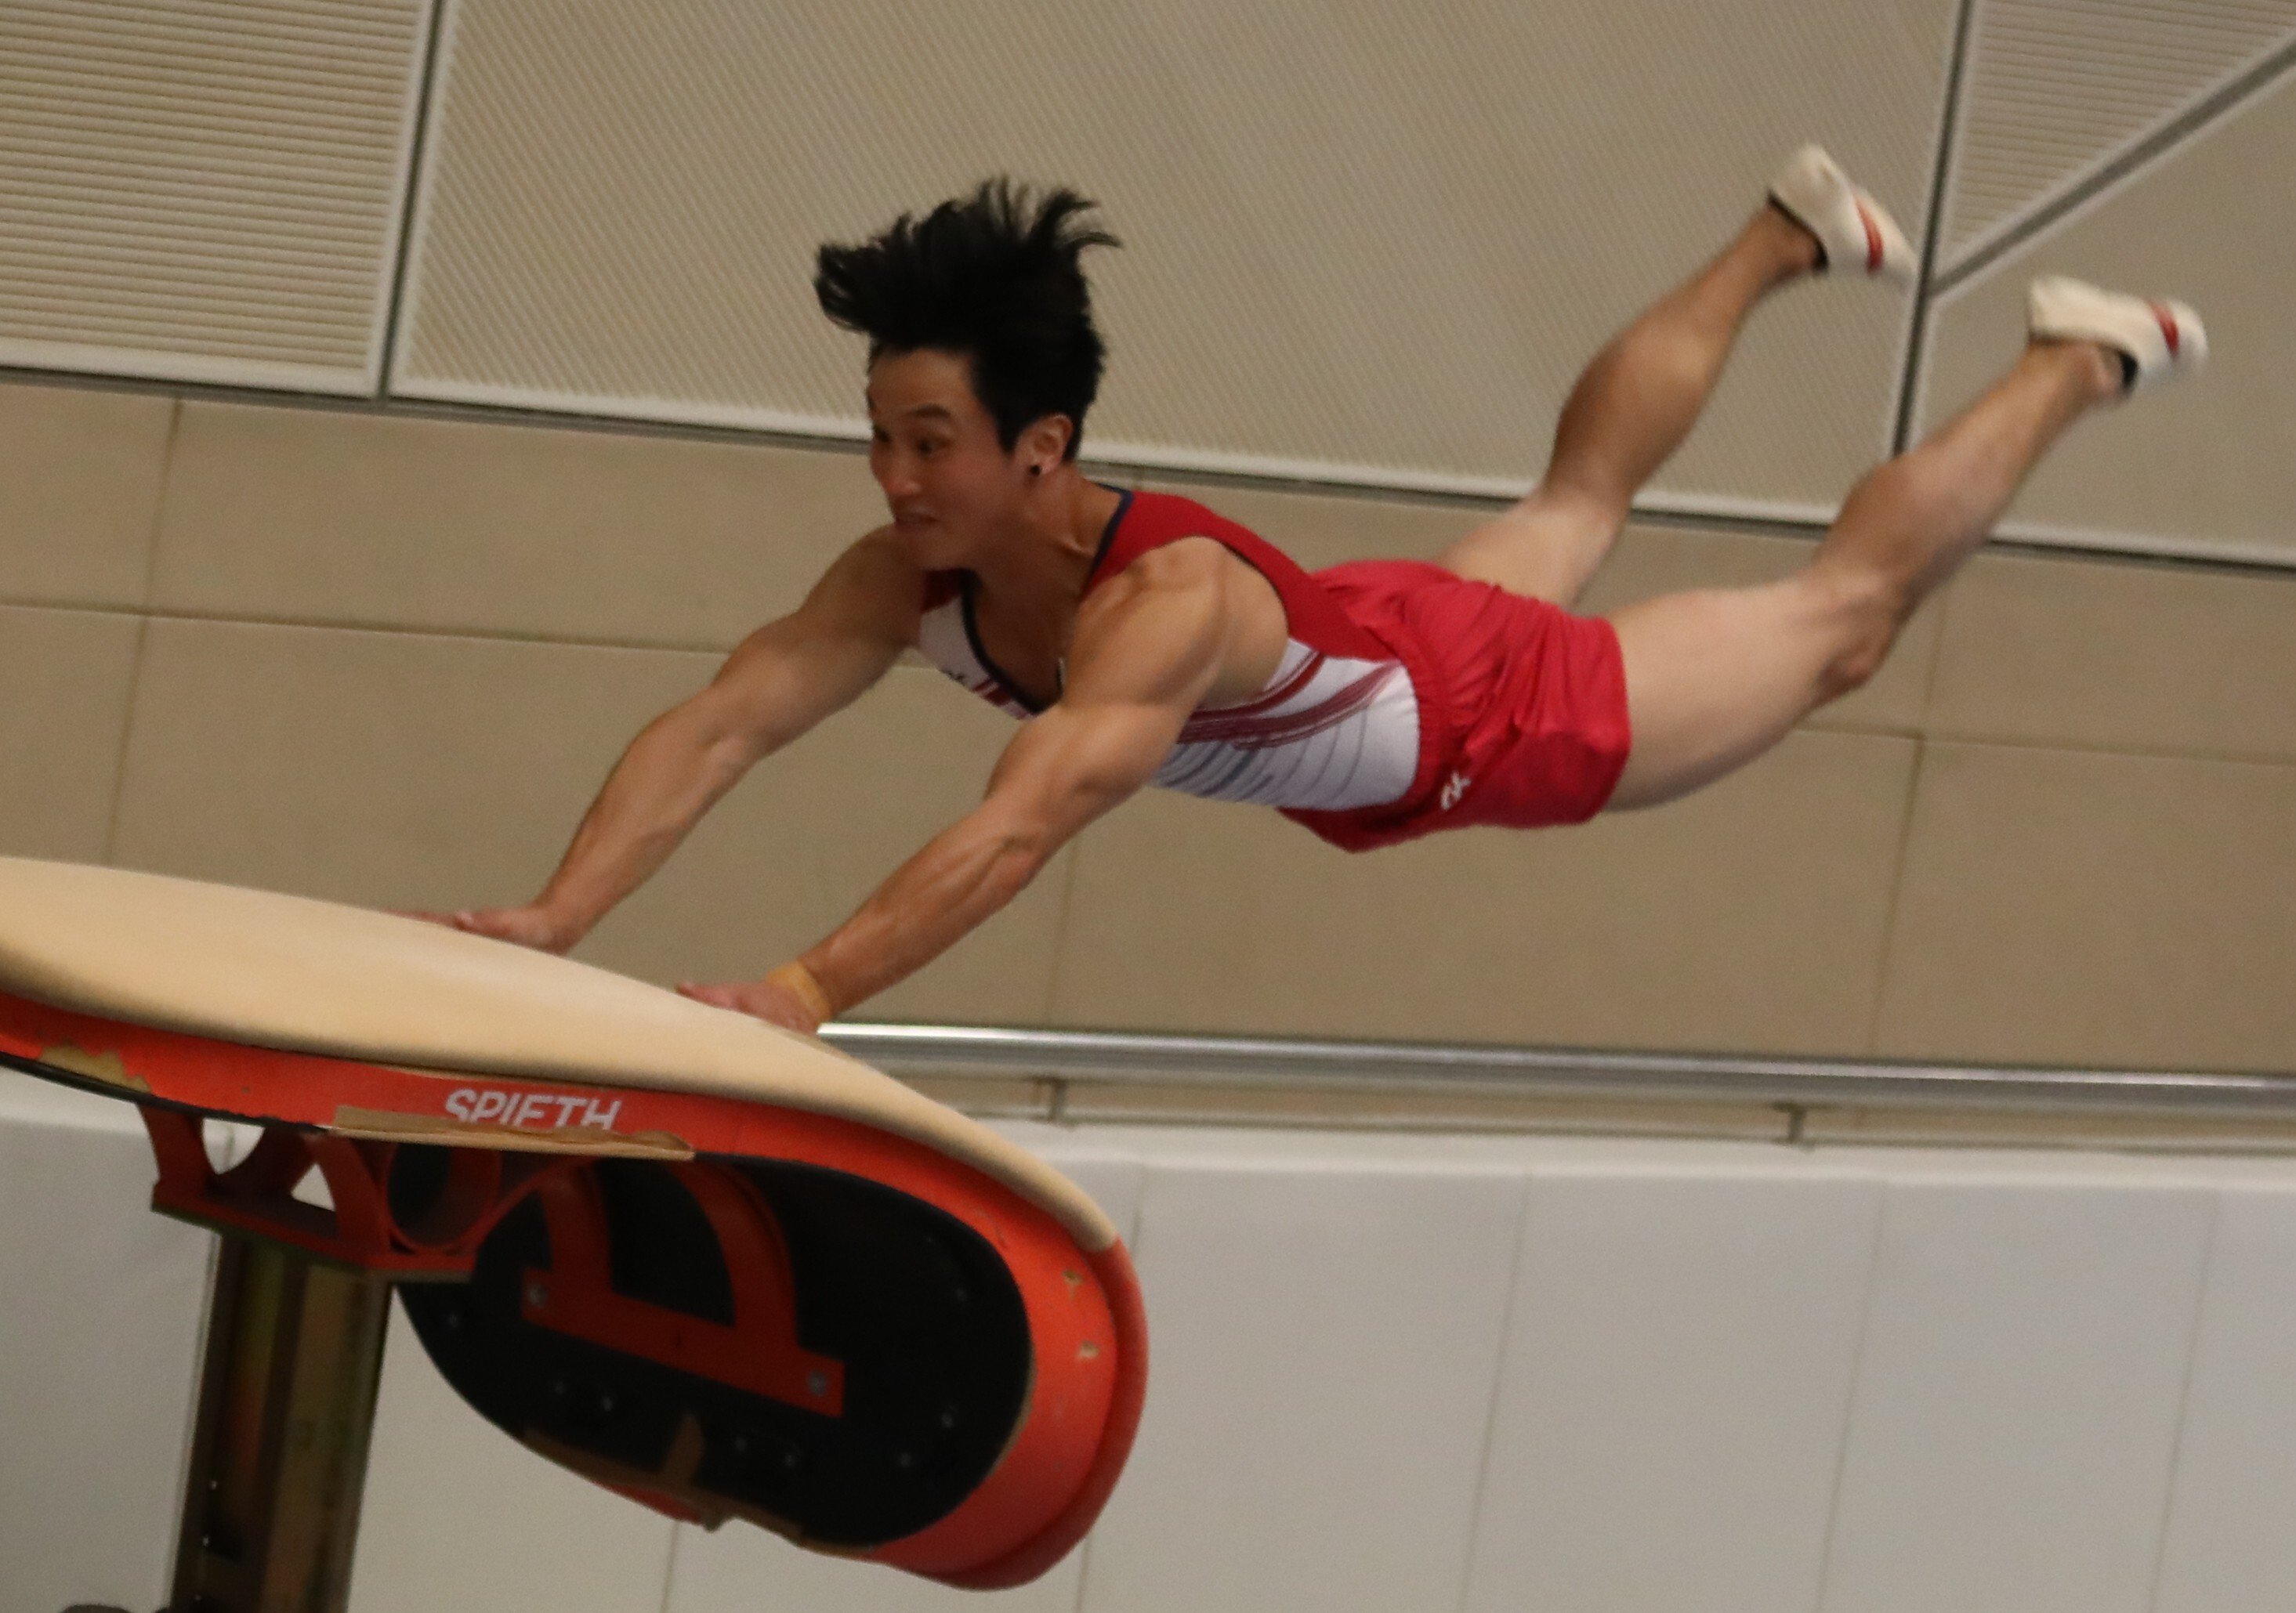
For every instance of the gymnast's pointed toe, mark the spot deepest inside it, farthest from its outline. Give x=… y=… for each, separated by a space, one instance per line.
x=2157 y=338
x=1855 y=232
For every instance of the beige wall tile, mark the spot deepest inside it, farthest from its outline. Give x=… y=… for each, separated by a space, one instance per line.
x=414 y=770
x=2155 y=658
x=64 y=682
x=1746 y=917
x=324 y=516
x=1330 y=529
x=2089 y=908
x=2205 y=462
x=79 y=488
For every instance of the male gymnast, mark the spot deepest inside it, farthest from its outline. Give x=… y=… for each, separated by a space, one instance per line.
x=1143 y=640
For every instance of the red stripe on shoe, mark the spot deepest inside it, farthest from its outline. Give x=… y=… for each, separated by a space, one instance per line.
x=2160 y=312
x=1873 y=237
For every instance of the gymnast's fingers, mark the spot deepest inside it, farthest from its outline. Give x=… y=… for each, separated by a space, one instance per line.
x=521 y=925
x=766 y=1000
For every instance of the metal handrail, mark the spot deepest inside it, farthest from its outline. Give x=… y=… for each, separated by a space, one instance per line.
x=1111 y=1057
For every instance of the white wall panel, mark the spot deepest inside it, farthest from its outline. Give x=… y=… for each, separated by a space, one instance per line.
x=204 y=192
x=1115 y=1176
x=1674 y=1394
x=742 y=1569
x=460 y=1518
x=2230 y=1548
x=100 y=1312
x=2014 y=1417
x=1632 y=1365
x=1324 y=1347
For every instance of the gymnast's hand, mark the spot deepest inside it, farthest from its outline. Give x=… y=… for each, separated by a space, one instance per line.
x=521 y=925
x=768 y=1000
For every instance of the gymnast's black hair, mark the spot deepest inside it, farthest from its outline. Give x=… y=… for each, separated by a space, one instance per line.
x=992 y=277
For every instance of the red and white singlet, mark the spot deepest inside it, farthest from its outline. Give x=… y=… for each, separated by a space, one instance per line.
x=1407 y=699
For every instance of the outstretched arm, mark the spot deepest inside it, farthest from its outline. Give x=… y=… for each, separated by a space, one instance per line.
x=1148 y=648
x=782 y=680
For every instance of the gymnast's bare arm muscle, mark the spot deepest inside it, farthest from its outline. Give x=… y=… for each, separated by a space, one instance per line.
x=1148 y=647
x=782 y=680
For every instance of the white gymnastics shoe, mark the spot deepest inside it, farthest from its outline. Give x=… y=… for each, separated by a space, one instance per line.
x=2157 y=340
x=1854 y=231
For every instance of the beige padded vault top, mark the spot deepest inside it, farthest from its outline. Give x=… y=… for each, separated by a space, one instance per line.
x=302 y=976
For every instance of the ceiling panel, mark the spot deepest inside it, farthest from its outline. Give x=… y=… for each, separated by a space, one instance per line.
x=205 y=192
x=2200 y=468
x=2055 y=89
x=1363 y=243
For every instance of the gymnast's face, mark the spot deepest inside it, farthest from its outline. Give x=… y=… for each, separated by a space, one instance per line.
x=950 y=484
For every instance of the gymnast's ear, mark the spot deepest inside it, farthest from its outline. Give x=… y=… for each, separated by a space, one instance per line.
x=1044 y=445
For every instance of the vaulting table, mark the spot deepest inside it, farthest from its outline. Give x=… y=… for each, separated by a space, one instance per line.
x=721 y=1269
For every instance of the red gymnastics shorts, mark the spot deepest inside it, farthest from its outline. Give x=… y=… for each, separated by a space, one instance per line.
x=1523 y=705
